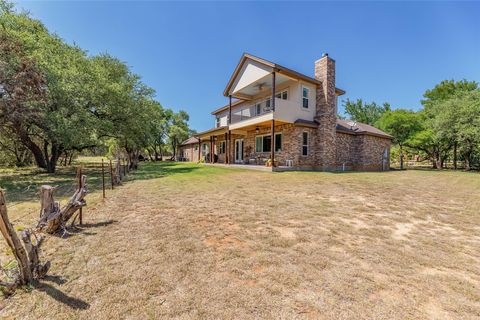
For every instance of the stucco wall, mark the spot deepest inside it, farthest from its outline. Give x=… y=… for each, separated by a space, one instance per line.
x=294 y=101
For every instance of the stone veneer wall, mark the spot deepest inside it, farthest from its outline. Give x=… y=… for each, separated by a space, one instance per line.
x=291 y=145
x=189 y=152
x=371 y=150
x=347 y=152
x=357 y=152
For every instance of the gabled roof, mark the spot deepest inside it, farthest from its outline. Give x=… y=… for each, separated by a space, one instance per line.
x=190 y=140
x=276 y=67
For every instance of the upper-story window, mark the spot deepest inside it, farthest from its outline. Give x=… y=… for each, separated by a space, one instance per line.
x=282 y=95
x=267 y=103
x=217 y=121
x=305 y=95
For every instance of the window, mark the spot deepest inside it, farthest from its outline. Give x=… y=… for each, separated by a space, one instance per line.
x=196 y=147
x=264 y=143
x=217 y=121
x=258 y=109
x=282 y=95
x=305 y=94
x=267 y=104
x=222 y=147
x=204 y=149
x=305 y=139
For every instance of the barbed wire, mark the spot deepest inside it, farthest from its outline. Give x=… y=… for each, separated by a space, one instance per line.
x=93 y=167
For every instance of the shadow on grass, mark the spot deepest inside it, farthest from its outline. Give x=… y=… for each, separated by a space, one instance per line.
x=154 y=170
x=23 y=184
x=58 y=295
x=81 y=229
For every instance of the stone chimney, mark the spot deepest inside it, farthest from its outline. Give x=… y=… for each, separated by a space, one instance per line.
x=326 y=112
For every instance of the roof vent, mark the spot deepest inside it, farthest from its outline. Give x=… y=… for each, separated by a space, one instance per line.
x=325 y=55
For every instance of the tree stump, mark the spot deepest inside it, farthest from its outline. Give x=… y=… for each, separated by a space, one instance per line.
x=54 y=220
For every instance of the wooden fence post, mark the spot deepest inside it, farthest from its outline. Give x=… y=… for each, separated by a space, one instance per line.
x=103 y=179
x=79 y=176
x=14 y=243
x=111 y=173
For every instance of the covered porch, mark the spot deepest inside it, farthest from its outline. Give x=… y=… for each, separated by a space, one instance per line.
x=252 y=145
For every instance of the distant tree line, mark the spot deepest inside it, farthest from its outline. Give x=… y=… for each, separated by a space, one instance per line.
x=447 y=128
x=56 y=100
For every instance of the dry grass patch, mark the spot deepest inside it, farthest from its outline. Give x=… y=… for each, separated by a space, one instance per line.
x=186 y=241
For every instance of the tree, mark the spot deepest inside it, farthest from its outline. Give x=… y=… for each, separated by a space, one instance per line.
x=57 y=100
x=402 y=125
x=178 y=130
x=447 y=89
x=21 y=85
x=367 y=113
x=158 y=132
x=49 y=126
x=440 y=114
x=467 y=126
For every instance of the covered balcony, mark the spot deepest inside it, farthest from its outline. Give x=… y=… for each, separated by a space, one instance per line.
x=262 y=111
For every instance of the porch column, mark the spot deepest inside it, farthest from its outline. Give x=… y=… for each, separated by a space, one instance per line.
x=272 y=142
x=229 y=109
x=226 y=148
x=199 y=148
x=230 y=153
x=211 y=149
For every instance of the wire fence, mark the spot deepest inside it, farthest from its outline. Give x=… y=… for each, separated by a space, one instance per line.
x=101 y=176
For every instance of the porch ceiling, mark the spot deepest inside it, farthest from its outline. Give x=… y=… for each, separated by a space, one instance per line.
x=260 y=86
x=253 y=126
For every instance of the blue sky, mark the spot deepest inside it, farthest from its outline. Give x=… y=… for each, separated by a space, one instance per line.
x=385 y=51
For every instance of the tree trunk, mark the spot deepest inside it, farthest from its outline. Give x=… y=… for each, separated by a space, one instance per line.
x=455 y=156
x=30 y=145
x=467 y=156
x=150 y=154
x=401 y=157
x=56 y=150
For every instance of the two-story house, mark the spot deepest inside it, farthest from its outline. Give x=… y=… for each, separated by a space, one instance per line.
x=280 y=114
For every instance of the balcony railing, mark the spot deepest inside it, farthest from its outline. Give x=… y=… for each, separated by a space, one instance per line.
x=255 y=110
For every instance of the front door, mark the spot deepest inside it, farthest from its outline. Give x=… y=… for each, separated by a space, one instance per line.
x=239 y=151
